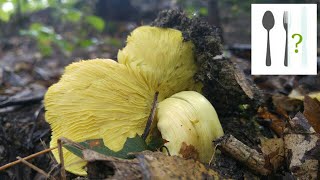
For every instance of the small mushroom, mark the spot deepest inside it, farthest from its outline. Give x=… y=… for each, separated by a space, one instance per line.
x=189 y=123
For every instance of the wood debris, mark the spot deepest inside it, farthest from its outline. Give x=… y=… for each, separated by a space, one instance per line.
x=146 y=165
x=298 y=150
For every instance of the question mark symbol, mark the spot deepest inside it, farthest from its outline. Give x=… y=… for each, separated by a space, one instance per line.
x=300 y=40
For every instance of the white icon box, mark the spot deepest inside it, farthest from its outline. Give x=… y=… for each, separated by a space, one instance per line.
x=301 y=19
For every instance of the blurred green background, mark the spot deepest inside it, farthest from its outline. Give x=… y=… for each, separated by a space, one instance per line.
x=66 y=25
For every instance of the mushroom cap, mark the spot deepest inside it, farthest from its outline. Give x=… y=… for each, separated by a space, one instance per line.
x=163 y=57
x=189 y=123
x=97 y=99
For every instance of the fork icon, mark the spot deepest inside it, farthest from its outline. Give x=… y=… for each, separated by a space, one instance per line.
x=285 y=26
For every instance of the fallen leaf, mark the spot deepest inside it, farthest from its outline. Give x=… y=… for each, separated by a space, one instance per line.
x=136 y=144
x=245 y=83
x=284 y=103
x=156 y=143
x=300 y=140
x=277 y=124
x=273 y=150
x=312 y=112
x=149 y=165
x=188 y=151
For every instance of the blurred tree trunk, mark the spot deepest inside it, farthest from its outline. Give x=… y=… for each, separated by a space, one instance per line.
x=18 y=11
x=214 y=16
x=116 y=10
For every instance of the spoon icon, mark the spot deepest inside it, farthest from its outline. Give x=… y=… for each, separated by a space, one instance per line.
x=268 y=23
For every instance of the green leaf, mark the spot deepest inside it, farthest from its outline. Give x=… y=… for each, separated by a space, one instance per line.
x=71 y=15
x=95 y=22
x=156 y=143
x=38 y=29
x=136 y=144
x=86 y=43
x=64 y=45
x=4 y=16
x=45 y=50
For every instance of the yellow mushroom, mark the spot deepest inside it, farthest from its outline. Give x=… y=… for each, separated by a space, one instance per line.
x=109 y=100
x=189 y=123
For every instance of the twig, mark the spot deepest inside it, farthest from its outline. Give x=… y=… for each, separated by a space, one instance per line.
x=53 y=168
x=213 y=157
x=63 y=170
x=241 y=152
x=38 y=112
x=151 y=116
x=34 y=167
x=26 y=158
x=36 y=117
x=70 y=142
x=50 y=153
x=22 y=101
x=62 y=141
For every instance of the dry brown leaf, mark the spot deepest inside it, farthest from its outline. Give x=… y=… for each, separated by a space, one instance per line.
x=312 y=112
x=277 y=124
x=246 y=85
x=284 y=103
x=300 y=142
x=146 y=165
x=273 y=150
x=100 y=166
x=161 y=166
x=188 y=151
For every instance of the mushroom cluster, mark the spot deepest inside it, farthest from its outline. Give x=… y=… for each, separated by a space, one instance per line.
x=111 y=100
